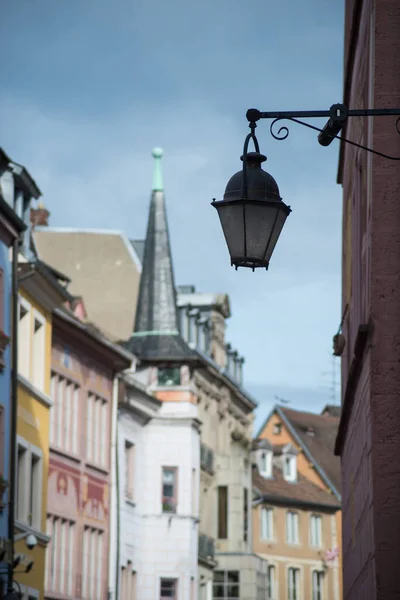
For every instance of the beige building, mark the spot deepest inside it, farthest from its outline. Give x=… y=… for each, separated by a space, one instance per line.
x=228 y=568
x=296 y=505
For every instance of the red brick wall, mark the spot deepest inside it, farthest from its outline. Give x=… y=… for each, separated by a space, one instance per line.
x=371 y=288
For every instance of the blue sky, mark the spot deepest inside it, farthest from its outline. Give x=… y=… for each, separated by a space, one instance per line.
x=89 y=87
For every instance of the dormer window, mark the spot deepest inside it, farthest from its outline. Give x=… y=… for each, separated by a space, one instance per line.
x=266 y=464
x=169 y=377
x=289 y=467
x=277 y=429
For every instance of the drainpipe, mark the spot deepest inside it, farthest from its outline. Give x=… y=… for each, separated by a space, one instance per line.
x=13 y=416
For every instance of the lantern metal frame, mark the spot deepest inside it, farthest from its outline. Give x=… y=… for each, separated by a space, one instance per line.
x=337 y=115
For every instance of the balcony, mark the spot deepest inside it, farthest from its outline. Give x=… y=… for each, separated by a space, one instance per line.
x=206 y=549
x=206 y=459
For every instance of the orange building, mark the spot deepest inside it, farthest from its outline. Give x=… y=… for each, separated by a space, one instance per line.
x=296 y=504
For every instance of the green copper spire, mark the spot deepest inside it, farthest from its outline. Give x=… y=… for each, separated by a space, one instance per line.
x=157 y=175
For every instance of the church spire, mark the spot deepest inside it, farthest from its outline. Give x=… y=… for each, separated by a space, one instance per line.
x=156 y=331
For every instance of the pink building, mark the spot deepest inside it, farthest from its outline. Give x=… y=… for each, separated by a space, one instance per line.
x=368 y=441
x=84 y=367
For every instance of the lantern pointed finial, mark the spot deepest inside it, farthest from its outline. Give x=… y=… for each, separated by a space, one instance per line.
x=157 y=154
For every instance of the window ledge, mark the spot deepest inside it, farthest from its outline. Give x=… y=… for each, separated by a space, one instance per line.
x=130 y=501
x=95 y=466
x=65 y=453
x=41 y=396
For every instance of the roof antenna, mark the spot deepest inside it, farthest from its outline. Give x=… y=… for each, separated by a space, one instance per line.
x=282 y=400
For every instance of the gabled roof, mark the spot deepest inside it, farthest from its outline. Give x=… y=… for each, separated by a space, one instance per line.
x=319 y=447
x=302 y=492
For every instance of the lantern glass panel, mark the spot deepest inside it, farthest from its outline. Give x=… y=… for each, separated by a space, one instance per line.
x=260 y=220
x=280 y=221
x=232 y=221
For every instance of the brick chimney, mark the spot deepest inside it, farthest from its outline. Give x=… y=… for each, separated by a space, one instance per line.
x=39 y=216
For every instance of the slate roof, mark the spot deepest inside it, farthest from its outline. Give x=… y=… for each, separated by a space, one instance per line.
x=332 y=410
x=302 y=492
x=156 y=331
x=320 y=445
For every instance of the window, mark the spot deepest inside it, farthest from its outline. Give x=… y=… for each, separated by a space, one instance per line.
x=169 y=489
x=60 y=556
x=245 y=514
x=271 y=583
x=267 y=524
x=21 y=479
x=34 y=516
x=96 y=430
x=38 y=351
x=129 y=469
x=64 y=414
x=293 y=584
x=289 y=468
x=316 y=531
x=29 y=478
x=292 y=528
x=169 y=377
x=128 y=583
x=226 y=585
x=317 y=585
x=223 y=512
x=266 y=464
x=92 y=563
x=277 y=428
x=24 y=338
x=168 y=589
x=261 y=581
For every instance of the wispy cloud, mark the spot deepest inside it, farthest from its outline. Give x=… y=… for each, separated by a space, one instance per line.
x=90 y=87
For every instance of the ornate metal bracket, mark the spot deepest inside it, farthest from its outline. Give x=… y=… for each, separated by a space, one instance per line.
x=337 y=116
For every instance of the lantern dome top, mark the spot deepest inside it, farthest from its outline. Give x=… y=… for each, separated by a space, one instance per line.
x=261 y=185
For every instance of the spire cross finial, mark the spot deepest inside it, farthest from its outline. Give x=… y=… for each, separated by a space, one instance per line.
x=157 y=175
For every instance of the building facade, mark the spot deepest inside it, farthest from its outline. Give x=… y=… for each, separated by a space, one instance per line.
x=11 y=227
x=368 y=441
x=296 y=504
x=84 y=392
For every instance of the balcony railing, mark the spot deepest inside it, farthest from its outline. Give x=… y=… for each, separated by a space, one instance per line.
x=206 y=548
x=206 y=458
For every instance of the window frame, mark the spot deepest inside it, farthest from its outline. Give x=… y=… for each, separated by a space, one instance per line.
x=173 y=580
x=318 y=594
x=27 y=307
x=267 y=457
x=291 y=460
x=317 y=521
x=40 y=382
x=269 y=522
x=223 y=528
x=165 y=505
x=227 y=583
x=130 y=452
x=271 y=589
x=26 y=517
x=294 y=517
x=297 y=573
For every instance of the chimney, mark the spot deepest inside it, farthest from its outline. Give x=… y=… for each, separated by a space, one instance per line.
x=39 y=216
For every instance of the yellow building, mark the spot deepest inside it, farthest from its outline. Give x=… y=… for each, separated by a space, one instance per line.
x=39 y=293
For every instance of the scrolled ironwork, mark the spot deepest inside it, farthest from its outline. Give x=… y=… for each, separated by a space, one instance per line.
x=278 y=136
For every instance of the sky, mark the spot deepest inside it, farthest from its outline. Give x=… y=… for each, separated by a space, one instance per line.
x=89 y=87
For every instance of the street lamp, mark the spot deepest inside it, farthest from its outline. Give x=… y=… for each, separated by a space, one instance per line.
x=252 y=213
